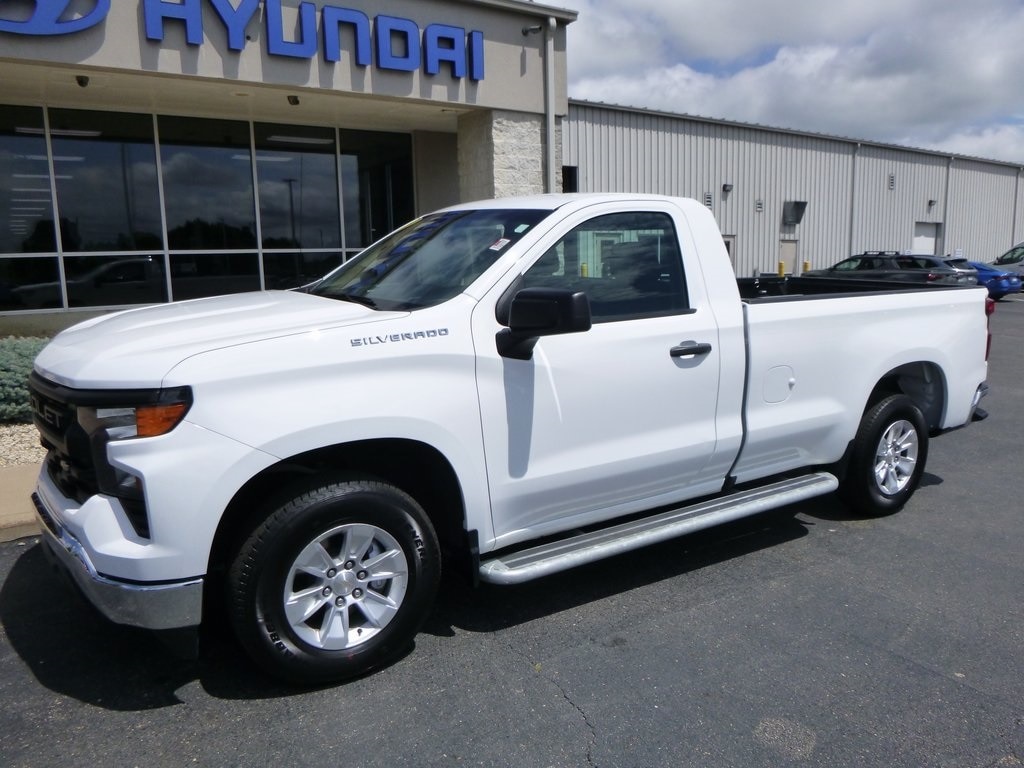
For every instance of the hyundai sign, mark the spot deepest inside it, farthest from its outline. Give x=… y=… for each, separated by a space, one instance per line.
x=50 y=17
x=387 y=42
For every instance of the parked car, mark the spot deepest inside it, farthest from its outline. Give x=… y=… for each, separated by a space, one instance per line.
x=999 y=282
x=966 y=273
x=893 y=265
x=1012 y=260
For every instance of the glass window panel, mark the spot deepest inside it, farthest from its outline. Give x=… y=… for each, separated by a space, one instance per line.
x=628 y=264
x=26 y=202
x=194 y=275
x=376 y=173
x=297 y=174
x=290 y=270
x=208 y=194
x=30 y=283
x=107 y=190
x=96 y=281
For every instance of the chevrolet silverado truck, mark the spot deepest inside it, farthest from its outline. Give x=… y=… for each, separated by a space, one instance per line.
x=519 y=386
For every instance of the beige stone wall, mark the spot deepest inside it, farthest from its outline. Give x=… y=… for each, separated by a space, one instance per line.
x=502 y=154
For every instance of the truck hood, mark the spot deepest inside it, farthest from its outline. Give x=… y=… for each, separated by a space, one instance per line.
x=136 y=348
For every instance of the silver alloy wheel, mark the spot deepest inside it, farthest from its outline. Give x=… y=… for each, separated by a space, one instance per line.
x=345 y=586
x=896 y=457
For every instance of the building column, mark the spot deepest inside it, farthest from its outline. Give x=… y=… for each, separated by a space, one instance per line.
x=501 y=154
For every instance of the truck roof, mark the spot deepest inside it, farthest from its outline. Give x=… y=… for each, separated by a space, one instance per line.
x=558 y=200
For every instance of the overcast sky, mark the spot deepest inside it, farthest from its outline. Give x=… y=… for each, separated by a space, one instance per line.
x=936 y=74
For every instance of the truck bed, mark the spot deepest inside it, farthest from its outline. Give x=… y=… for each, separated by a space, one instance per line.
x=767 y=288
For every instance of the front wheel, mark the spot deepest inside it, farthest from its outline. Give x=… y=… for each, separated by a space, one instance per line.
x=888 y=457
x=335 y=582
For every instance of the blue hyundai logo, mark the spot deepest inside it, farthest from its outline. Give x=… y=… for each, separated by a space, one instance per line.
x=47 y=19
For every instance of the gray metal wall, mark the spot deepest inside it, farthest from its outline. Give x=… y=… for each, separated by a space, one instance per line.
x=860 y=196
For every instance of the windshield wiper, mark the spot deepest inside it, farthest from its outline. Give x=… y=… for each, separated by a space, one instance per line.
x=366 y=301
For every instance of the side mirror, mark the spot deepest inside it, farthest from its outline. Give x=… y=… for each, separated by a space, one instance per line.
x=536 y=312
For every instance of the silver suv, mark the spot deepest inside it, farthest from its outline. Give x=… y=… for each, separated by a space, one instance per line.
x=896 y=266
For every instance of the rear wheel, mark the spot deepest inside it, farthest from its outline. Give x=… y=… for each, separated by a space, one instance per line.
x=888 y=458
x=335 y=582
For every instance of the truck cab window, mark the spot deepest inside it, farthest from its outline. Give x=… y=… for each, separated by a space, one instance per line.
x=628 y=264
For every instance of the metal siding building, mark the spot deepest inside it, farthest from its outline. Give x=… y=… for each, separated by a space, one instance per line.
x=858 y=195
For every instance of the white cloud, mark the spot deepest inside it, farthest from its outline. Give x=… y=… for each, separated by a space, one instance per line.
x=928 y=74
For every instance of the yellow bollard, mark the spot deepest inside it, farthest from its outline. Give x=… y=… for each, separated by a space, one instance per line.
x=782 y=269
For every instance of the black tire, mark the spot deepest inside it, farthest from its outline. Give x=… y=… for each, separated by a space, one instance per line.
x=303 y=599
x=888 y=457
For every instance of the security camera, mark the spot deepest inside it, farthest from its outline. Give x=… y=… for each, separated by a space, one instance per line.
x=82 y=80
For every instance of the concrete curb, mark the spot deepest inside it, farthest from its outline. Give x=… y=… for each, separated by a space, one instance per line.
x=17 y=514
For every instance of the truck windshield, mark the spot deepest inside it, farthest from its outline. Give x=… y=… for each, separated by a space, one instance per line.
x=429 y=260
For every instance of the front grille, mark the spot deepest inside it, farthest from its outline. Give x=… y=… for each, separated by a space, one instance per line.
x=70 y=461
x=76 y=460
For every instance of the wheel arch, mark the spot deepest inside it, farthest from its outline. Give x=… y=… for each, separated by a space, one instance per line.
x=922 y=381
x=415 y=467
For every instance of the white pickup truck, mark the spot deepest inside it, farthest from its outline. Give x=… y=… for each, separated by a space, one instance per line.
x=521 y=385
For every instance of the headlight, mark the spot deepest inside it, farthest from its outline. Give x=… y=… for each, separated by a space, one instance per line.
x=161 y=411
x=107 y=417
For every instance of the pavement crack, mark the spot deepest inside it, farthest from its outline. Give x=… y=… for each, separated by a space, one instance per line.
x=538 y=669
x=583 y=715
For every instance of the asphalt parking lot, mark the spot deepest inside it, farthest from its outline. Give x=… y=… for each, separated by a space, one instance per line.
x=813 y=639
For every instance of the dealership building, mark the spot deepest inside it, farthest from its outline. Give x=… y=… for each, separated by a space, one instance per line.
x=157 y=150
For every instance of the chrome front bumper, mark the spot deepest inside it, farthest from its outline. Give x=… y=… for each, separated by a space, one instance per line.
x=173 y=605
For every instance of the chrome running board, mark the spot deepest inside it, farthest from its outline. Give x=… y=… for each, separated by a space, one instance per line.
x=553 y=557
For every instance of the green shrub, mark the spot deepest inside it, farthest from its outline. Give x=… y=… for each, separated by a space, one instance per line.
x=16 y=356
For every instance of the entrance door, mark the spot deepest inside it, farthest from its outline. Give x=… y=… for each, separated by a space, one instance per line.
x=926 y=238
x=377 y=185
x=788 y=255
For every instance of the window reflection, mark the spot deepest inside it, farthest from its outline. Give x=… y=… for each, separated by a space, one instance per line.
x=30 y=283
x=194 y=275
x=26 y=205
x=207 y=173
x=298 y=184
x=107 y=190
x=290 y=270
x=113 y=249
x=95 y=281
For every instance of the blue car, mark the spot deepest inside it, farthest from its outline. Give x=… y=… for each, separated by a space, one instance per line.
x=998 y=281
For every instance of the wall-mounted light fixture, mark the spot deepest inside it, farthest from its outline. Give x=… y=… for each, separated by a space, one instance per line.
x=293 y=100
x=82 y=80
x=726 y=188
x=931 y=203
x=532 y=30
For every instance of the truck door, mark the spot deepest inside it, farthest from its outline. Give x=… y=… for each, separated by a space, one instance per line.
x=614 y=419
